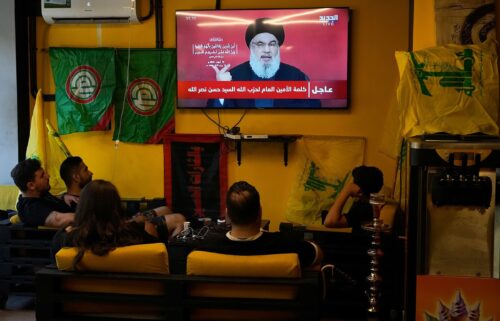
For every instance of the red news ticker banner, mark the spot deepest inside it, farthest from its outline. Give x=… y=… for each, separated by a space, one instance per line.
x=263 y=89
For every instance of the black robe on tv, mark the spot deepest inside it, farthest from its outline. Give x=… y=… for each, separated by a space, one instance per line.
x=244 y=72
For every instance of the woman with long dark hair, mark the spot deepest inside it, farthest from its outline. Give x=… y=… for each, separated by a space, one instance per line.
x=101 y=224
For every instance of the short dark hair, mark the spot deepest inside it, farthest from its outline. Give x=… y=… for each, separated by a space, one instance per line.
x=242 y=203
x=24 y=172
x=369 y=178
x=68 y=167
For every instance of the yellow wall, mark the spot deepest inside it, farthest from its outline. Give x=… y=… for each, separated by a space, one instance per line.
x=378 y=29
x=424 y=24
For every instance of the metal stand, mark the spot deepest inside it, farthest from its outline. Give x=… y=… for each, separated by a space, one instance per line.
x=375 y=253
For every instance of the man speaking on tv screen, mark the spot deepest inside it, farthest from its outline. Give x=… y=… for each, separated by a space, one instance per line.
x=264 y=39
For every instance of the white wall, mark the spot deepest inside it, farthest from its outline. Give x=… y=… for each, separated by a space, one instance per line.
x=8 y=93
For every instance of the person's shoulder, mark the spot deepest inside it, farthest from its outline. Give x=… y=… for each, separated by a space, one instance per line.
x=216 y=236
x=51 y=196
x=214 y=242
x=243 y=65
x=268 y=234
x=32 y=211
x=360 y=206
x=290 y=68
x=25 y=201
x=241 y=70
x=278 y=236
x=290 y=72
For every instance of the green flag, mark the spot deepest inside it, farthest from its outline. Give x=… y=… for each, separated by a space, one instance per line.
x=144 y=96
x=85 y=81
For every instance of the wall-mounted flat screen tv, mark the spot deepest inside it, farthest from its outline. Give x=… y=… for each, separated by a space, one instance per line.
x=272 y=58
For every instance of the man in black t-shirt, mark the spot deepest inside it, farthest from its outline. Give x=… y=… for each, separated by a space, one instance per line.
x=246 y=238
x=36 y=206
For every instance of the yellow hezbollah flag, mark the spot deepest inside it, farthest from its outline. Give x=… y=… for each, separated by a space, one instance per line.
x=45 y=145
x=450 y=88
x=327 y=162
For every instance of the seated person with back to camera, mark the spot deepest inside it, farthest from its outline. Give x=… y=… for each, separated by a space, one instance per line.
x=366 y=180
x=101 y=224
x=36 y=205
x=244 y=212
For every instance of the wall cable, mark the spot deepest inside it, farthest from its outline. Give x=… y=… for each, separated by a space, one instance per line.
x=120 y=123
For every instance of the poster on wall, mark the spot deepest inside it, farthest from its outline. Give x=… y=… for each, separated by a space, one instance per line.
x=464 y=22
x=196 y=175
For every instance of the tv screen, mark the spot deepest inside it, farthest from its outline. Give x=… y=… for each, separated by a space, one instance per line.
x=273 y=58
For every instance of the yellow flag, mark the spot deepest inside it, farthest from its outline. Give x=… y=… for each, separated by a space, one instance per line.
x=450 y=88
x=45 y=145
x=36 y=142
x=326 y=165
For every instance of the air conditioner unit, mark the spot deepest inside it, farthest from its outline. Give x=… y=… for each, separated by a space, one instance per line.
x=89 y=11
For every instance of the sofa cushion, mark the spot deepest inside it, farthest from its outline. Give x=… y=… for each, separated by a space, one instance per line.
x=141 y=258
x=15 y=219
x=284 y=265
x=203 y=263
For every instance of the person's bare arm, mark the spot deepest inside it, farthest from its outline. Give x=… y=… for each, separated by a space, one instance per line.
x=68 y=199
x=175 y=224
x=334 y=218
x=174 y=221
x=58 y=219
x=162 y=210
x=150 y=229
